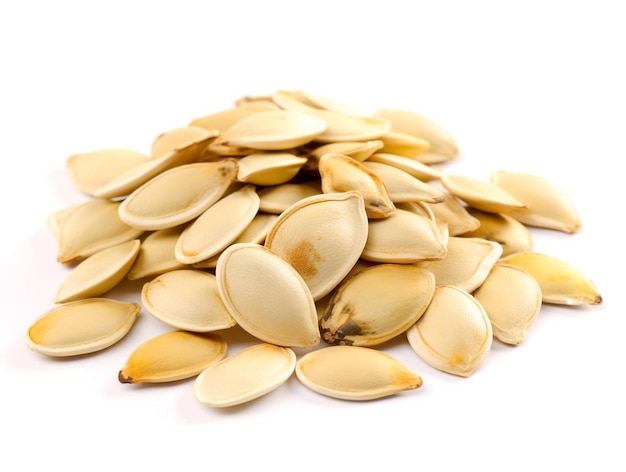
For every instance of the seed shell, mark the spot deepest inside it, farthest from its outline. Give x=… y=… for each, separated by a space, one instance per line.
x=81 y=327
x=172 y=356
x=245 y=376
x=355 y=373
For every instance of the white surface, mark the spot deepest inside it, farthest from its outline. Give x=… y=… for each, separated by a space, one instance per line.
x=530 y=86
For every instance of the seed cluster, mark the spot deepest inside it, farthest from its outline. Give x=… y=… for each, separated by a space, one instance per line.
x=311 y=226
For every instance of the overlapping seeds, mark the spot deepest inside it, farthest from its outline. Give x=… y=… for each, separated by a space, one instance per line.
x=322 y=233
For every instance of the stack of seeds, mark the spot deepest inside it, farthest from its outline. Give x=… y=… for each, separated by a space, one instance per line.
x=314 y=228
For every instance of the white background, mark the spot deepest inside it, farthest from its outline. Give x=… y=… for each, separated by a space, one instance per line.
x=529 y=86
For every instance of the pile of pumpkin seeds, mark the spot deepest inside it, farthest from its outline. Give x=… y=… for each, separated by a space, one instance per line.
x=318 y=230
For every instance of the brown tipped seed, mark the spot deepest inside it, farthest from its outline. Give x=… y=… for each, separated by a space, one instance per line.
x=340 y=173
x=454 y=335
x=172 y=356
x=377 y=304
x=561 y=282
x=247 y=375
x=321 y=237
x=355 y=373
x=81 y=327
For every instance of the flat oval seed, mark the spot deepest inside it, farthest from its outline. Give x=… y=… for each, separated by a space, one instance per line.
x=178 y=195
x=129 y=181
x=321 y=237
x=266 y=296
x=222 y=120
x=340 y=173
x=343 y=127
x=156 y=254
x=273 y=130
x=481 y=195
x=98 y=273
x=377 y=304
x=404 y=144
x=355 y=373
x=561 y=282
x=269 y=168
x=277 y=199
x=548 y=206
x=81 y=327
x=91 y=170
x=172 y=356
x=512 y=299
x=454 y=335
x=89 y=228
x=357 y=150
x=403 y=237
x=187 y=299
x=245 y=376
x=455 y=215
x=218 y=226
x=467 y=262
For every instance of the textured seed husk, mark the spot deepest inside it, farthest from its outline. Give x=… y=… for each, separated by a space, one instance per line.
x=321 y=237
x=186 y=299
x=255 y=232
x=277 y=199
x=91 y=170
x=180 y=138
x=377 y=304
x=218 y=226
x=355 y=373
x=404 y=237
x=172 y=356
x=90 y=227
x=345 y=127
x=454 y=335
x=340 y=173
x=245 y=376
x=481 y=195
x=511 y=298
x=124 y=184
x=266 y=296
x=466 y=264
x=98 y=273
x=442 y=146
x=404 y=144
x=413 y=167
x=503 y=229
x=178 y=195
x=357 y=150
x=561 y=282
x=455 y=215
x=547 y=205
x=273 y=130
x=269 y=168
x=402 y=186
x=156 y=254
x=81 y=327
